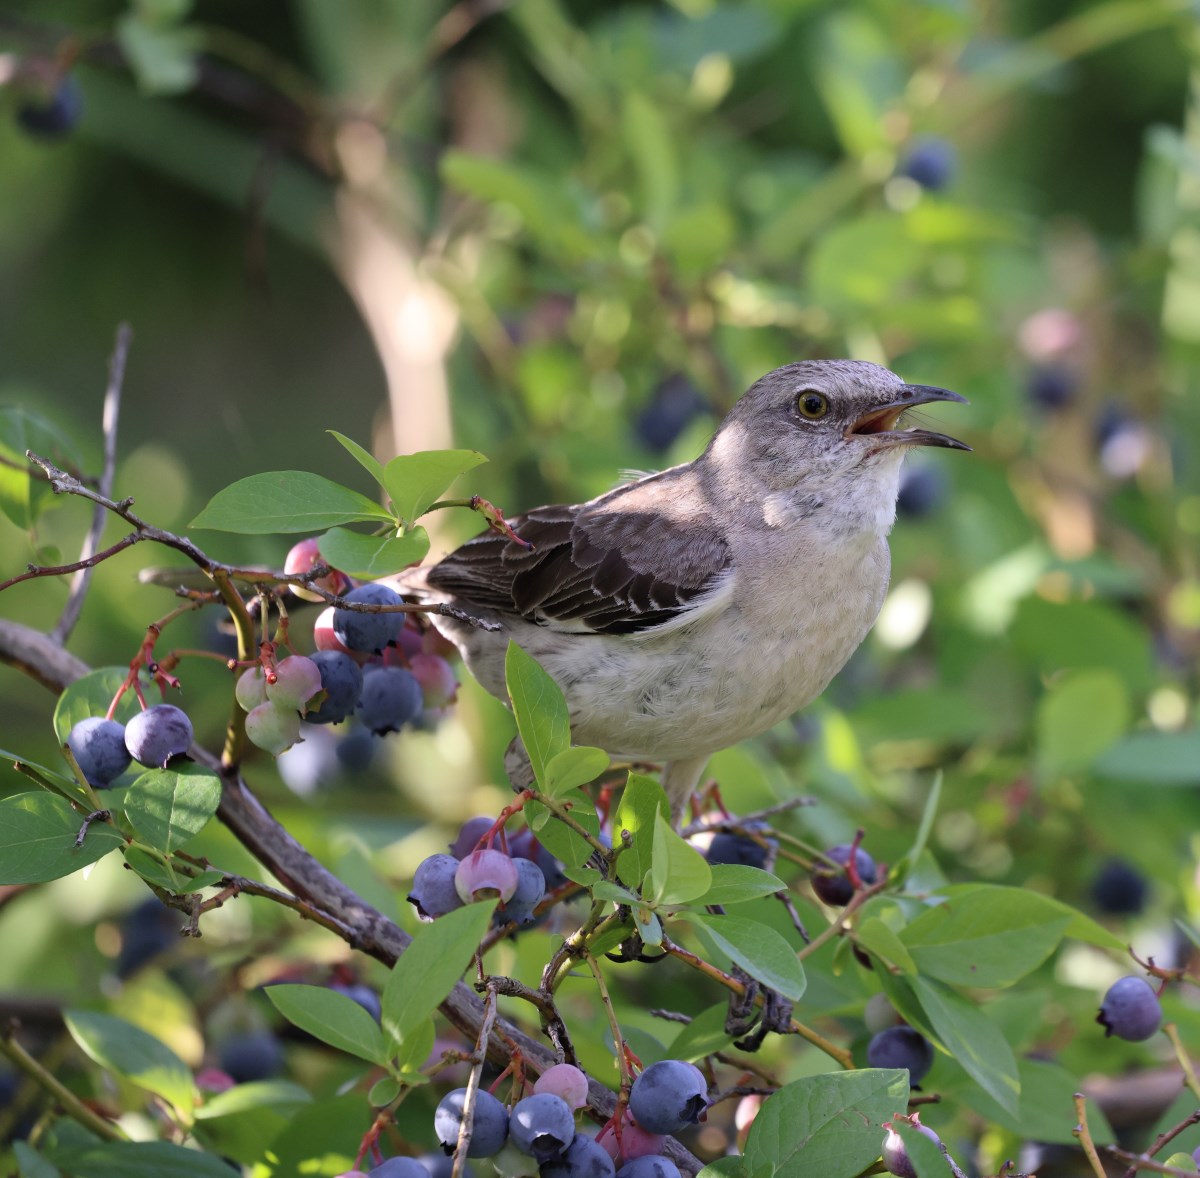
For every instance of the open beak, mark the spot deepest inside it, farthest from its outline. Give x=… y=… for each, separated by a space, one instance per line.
x=881 y=421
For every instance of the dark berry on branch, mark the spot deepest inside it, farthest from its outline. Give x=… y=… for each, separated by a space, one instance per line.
x=735 y=849
x=901 y=1047
x=469 y=834
x=342 y=682
x=399 y=1168
x=367 y=998
x=1119 y=889
x=541 y=1126
x=98 y=746
x=390 y=698
x=489 y=1127
x=668 y=1096
x=433 y=891
x=583 y=1158
x=257 y=1055
x=531 y=887
x=368 y=632
x=931 y=163
x=649 y=1166
x=159 y=733
x=833 y=886
x=1130 y=1010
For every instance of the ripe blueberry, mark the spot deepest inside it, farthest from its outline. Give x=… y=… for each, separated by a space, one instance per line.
x=342 y=681
x=542 y=1126
x=668 y=1096
x=257 y=1055
x=369 y=632
x=98 y=746
x=1130 y=1010
x=583 y=1158
x=433 y=891
x=489 y=1127
x=390 y=698
x=834 y=887
x=1119 y=889
x=931 y=163
x=901 y=1047
x=649 y=1166
x=673 y=406
x=399 y=1168
x=518 y=908
x=735 y=849
x=156 y=735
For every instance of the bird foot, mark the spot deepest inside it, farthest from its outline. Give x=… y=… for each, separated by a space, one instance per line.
x=749 y=1022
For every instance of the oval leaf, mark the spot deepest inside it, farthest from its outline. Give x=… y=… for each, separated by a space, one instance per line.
x=415 y=481
x=331 y=1017
x=134 y=1054
x=735 y=883
x=574 y=767
x=285 y=501
x=139 y=1159
x=37 y=839
x=169 y=807
x=372 y=557
x=757 y=948
x=678 y=872
x=539 y=708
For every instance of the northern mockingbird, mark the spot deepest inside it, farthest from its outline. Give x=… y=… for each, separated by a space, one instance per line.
x=694 y=608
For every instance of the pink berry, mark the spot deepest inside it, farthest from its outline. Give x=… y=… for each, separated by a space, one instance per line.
x=325 y=639
x=635 y=1141
x=439 y=686
x=565 y=1081
x=272 y=728
x=483 y=875
x=307 y=555
x=297 y=680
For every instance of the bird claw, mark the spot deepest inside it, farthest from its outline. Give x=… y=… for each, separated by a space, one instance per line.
x=747 y=1021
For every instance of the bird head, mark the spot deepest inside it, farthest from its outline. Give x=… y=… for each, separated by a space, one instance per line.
x=827 y=427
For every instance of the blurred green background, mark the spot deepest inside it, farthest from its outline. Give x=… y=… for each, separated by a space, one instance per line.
x=569 y=234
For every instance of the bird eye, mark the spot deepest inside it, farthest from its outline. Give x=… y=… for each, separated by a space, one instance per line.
x=812 y=404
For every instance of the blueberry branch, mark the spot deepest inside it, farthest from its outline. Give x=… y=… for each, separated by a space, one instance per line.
x=1164 y=1138
x=1083 y=1134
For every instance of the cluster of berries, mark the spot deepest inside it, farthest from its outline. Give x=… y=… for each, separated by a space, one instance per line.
x=477 y=870
x=103 y=749
x=538 y=1137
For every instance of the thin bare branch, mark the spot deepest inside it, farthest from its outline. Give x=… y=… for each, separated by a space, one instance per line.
x=91 y=543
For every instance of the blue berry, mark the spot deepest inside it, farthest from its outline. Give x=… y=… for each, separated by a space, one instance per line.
x=931 y=163
x=390 y=698
x=922 y=490
x=736 y=849
x=583 y=1158
x=1119 y=889
x=356 y=750
x=668 y=1096
x=98 y=745
x=1052 y=386
x=257 y=1055
x=342 y=682
x=672 y=407
x=55 y=116
x=834 y=887
x=441 y=1166
x=158 y=734
x=469 y=835
x=489 y=1128
x=146 y=931
x=368 y=632
x=1130 y=1010
x=531 y=887
x=433 y=892
x=901 y=1047
x=650 y=1165
x=399 y=1168
x=542 y=1126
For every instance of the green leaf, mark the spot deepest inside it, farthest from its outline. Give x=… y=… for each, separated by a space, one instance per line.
x=605 y=890
x=89 y=696
x=1045 y=1111
x=22 y=497
x=372 y=557
x=928 y=814
x=1080 y=717
x=134 y=1054
x=1154 y=758
x=729 y=1167
x=574 y=767
x=971 y=1038
x=331 y=1017
x=927 y=1159
x=831 y=1125
x=362 y=456
x=414 y=1051
x=48 y=778
x=558 y=838
x=254 y=1096
x=678 y=872
x=641 y=801
x=735 y=883
x=169 y=807
x=286 y=501
x=539 y=708
x=31 y=1164
x=415 y=481
x=163 y=60
x=757 y=948
x=162 y=873
x=985 y=935
x=37 y=839
x=878 y=939
x=429 y=967
x=383 y=1092
x=139 y=1159
x=703 y=1035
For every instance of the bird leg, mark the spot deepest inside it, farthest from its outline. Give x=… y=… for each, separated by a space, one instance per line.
x=679 y=780
x=747 y=1020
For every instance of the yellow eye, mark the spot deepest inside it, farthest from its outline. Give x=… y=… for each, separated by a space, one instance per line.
x=812 y=404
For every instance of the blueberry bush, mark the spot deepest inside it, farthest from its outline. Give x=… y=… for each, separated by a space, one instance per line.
x=269 y=905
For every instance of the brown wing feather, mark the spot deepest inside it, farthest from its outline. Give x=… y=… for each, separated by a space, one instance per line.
x=616 y=571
